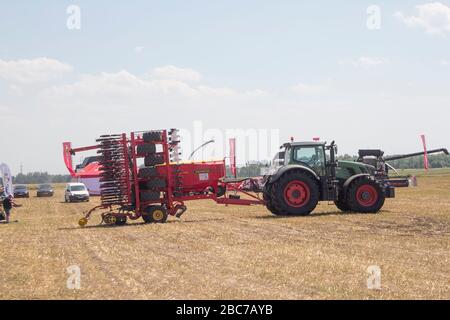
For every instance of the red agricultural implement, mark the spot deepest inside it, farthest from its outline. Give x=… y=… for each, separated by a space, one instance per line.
x=141 y=177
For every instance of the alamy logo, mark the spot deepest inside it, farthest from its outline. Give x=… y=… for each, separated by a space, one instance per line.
x=74 y=279
x=374 y=17
x=374 y=279
x=74 y=19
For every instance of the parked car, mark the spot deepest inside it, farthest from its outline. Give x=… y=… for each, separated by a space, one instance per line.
x=21 y=191
x=45 y=190
x=76 y=192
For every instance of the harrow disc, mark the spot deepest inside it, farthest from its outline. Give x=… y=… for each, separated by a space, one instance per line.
x=114 y=170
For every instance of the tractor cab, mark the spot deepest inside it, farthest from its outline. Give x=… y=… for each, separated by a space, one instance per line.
x=310 y=154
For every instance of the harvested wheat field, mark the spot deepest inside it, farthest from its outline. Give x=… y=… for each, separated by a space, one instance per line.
x=218 y=252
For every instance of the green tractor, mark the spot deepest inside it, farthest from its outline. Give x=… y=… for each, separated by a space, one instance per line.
x=304 y=173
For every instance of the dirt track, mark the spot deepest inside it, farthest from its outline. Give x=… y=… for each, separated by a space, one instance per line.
x=219 y=252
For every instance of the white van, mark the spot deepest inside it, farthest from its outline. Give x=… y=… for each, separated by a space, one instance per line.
x=76 y=192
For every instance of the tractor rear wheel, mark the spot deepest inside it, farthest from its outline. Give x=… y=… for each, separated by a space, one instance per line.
x=366 y=196
x=296 y=193
x=155 y=214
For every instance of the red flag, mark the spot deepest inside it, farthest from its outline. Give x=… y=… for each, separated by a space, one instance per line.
x=68 y=158
x=425 y=156
x=233 y=157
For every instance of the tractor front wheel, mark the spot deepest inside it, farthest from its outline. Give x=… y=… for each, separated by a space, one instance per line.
x=366 y=196
x=155 y=214
x=296 y=193
x=268 y=200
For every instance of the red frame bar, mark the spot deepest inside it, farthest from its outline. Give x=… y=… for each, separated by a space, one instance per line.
x=135 y=173
x=126 y=166
x=75 y=150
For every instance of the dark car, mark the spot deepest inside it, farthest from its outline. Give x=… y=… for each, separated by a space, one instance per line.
x=45 y=190
x=21 y=191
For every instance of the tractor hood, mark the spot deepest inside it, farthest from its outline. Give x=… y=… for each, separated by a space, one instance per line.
x=346 y=169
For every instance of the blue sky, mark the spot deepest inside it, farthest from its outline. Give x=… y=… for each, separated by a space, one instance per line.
x=319 y=69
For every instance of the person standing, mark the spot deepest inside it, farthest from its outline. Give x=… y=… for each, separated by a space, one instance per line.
x=8 y=203
x=2 y=196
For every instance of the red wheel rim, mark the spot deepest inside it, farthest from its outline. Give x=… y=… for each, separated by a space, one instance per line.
x=297 y=193
x=367 y=195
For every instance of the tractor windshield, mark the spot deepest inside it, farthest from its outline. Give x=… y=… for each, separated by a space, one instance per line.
x=312 y=156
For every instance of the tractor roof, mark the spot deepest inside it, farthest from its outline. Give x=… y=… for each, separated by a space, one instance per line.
x=304 y=143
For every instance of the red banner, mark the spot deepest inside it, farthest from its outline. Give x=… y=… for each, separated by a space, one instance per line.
x=233 y=157
x=425 y=156
x=67 y=147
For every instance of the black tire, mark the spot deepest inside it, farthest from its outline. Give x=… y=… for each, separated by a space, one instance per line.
x=147 y=172
x=121 y=221
x=220 y=192
x=366 y=196
x=154 y=136
x=146 y=148
x=343 y=206
x=147 y=195
x=109 y=219
x=156 y=183
x=268 y=200
x=155 y=214
x=153 y=160
x=295 y=193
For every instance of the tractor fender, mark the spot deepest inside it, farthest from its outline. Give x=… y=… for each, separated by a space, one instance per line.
x=349 y=181
x=290 y=167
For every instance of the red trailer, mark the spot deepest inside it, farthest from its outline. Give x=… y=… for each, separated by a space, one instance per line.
x=141 y=177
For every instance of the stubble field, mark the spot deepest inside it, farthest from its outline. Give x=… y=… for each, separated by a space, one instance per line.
x=218 y=252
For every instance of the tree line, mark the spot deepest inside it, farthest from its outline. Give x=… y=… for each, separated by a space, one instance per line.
x=40 y=177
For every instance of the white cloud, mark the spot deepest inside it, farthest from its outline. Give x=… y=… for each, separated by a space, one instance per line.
x=138 y=49
x=175 y=73
x=433 y=17
x=16 y=90
x=126 y=89
x=32 y=71
x=307 y=88
x=121 y=84
x=365 y=62
x=445 y=62
x=4 y=109
x=256 y=93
